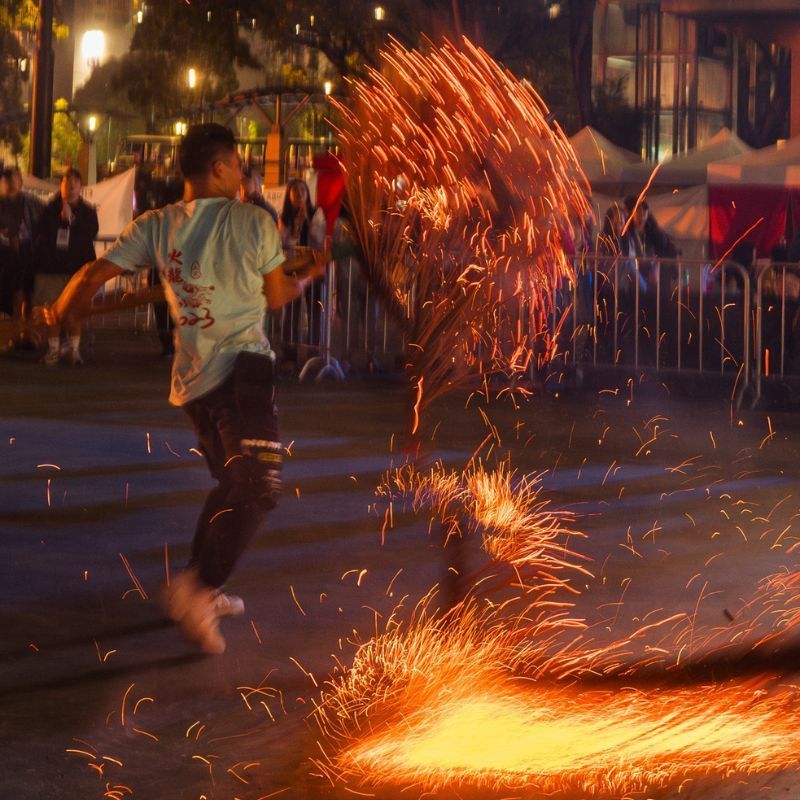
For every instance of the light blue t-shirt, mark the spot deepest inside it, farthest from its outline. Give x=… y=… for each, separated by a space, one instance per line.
x=212 y=255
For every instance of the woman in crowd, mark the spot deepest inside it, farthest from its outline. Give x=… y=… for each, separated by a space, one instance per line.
x=301 y=225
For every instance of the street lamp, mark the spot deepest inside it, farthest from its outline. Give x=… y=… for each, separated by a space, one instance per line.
x=327 y=86
x=380 y=13
x=191 y=77
x=90 y=150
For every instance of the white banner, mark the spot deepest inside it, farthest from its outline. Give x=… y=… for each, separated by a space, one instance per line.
x=42 y=189
x=113 y=199
x=274 y=196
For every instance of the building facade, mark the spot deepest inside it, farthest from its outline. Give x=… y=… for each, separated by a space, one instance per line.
x=692 y=67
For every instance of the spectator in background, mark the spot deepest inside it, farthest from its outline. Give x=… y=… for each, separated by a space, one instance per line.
x=793 y=251
x=168 y=191
x=616 y=292
x=19 y=225
x=250 y=191
x=744 y=254
x=66 y=242
x=655 y=243
x=301 y=226
x=654 y=240
x=621 y=241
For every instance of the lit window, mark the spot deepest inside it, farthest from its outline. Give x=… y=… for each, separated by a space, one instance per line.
x=93 y=47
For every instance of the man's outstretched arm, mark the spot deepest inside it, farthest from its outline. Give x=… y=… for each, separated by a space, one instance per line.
x=76 y=299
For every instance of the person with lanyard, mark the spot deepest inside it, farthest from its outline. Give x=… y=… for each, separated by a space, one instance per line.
x=218 y=259
x=67 y=229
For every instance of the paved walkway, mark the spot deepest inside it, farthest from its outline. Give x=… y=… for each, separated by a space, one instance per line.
x=98 y=496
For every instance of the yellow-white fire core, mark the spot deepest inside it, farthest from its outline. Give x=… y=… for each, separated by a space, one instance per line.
x=627 y=739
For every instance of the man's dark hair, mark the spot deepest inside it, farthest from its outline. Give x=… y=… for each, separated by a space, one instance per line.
x=202 y=146
x=71 y=172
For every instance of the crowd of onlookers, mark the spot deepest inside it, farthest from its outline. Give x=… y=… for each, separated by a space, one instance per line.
x=637 y=300
x=634 y=268
x=41 y=246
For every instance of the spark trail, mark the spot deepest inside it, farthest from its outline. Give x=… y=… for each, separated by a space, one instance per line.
x=463 y=195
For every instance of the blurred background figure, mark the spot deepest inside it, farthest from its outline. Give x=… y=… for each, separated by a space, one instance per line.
x=66 y=242
x=20 y=213
x=164 y=193
x=301 y=226
x=250 y=191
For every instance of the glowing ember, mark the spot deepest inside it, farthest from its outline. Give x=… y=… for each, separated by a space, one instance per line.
x=518 y=525
x=596 y=741
x=447 y=701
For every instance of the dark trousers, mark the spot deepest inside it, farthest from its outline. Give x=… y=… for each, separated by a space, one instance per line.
x=164 y=323
x=233 y=510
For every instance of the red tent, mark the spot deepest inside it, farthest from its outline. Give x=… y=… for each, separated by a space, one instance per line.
x=755 y=197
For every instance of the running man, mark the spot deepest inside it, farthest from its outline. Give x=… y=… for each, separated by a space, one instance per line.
x=218 y=259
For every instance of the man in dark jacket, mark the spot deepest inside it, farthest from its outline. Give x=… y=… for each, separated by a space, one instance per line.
x=19 y=227
x=66 y=242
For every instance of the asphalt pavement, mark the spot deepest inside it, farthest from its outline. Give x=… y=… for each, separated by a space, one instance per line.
x=99 y=490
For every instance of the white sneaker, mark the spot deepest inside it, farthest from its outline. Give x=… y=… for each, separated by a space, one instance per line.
x=228 y=605
x=191 y=604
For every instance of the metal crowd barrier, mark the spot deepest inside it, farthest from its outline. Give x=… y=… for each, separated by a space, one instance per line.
x=661 y=314
x=665 y=315
x=138 y=318
x=351 y=329
x=777 y=314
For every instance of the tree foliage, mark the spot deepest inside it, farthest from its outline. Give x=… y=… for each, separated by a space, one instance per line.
x=521 y=34
x=15 y=16
x=173 y=36
x=66 y=139
x=527 y=36
x=615 y=118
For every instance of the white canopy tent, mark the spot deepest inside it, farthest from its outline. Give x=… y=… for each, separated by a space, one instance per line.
x=684 y=216
x=601 y=160
x=778 y=165
x=690 y=168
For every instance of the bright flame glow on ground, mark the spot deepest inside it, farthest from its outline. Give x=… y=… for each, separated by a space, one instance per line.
x=593 y=740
